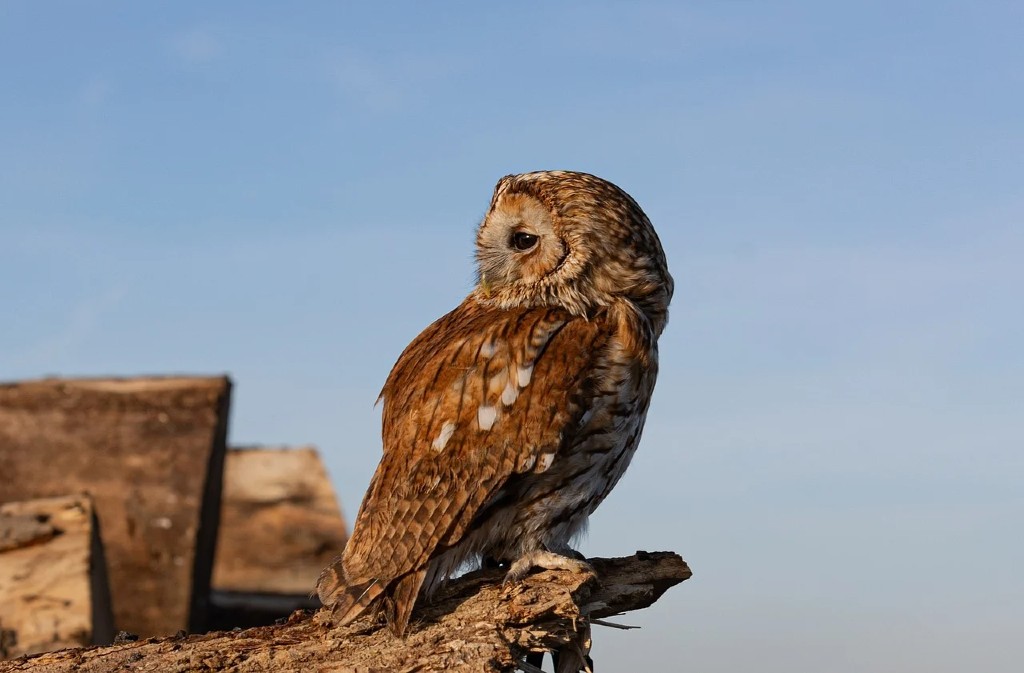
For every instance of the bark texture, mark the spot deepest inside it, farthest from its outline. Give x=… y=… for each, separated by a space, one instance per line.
x=475 y=624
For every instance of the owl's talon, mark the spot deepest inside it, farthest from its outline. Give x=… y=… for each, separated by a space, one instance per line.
x=546 y=560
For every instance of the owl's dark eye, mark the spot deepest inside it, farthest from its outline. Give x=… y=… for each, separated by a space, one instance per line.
x=523 y=241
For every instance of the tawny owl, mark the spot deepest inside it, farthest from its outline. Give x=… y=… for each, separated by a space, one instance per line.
x=508 y=421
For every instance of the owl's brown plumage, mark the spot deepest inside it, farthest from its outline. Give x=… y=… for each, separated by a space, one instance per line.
x=508 y=421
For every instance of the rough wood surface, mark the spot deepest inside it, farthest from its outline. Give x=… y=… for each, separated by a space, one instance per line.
x=53 y=584
x=474 y=624
x=150 y=452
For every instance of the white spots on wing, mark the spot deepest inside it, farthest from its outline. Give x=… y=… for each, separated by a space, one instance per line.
x=485 y=416
x=516 y=377
x=509 y=394
x=530 y=461
x=545 y=462
x=488 y=349
x=442 y=439
x=587 y=415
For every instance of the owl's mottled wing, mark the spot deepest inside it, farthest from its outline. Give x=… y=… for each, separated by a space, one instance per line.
x=478 y=397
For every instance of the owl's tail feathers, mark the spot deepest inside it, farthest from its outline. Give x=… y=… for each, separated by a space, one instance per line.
x=350 y=600
x=399 y=605
x=347 y=601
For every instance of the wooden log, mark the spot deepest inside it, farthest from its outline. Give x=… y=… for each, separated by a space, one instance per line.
x=150 y=451
x=474 y=624
x=53 y=582
x=280 y=525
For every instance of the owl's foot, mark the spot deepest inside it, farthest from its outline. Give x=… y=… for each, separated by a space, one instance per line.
x=542 y=558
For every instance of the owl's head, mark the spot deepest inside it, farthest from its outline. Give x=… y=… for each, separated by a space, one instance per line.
x=559 y=238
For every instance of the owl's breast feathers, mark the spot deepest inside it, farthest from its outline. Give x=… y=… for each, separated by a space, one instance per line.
x=480 y=399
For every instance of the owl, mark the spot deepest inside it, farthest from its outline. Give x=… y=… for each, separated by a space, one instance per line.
x=507 y=421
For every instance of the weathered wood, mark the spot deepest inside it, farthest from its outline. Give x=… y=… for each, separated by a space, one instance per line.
x=280 y=525
x=150 y=451
x=53 y=584
x=475 y=624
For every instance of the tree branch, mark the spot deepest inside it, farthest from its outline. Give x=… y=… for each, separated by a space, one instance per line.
x=474 y=624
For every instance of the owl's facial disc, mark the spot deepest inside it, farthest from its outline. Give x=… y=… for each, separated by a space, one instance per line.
x=517 y=243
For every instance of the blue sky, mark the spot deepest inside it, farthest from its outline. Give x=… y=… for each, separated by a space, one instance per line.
x=288 y=194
